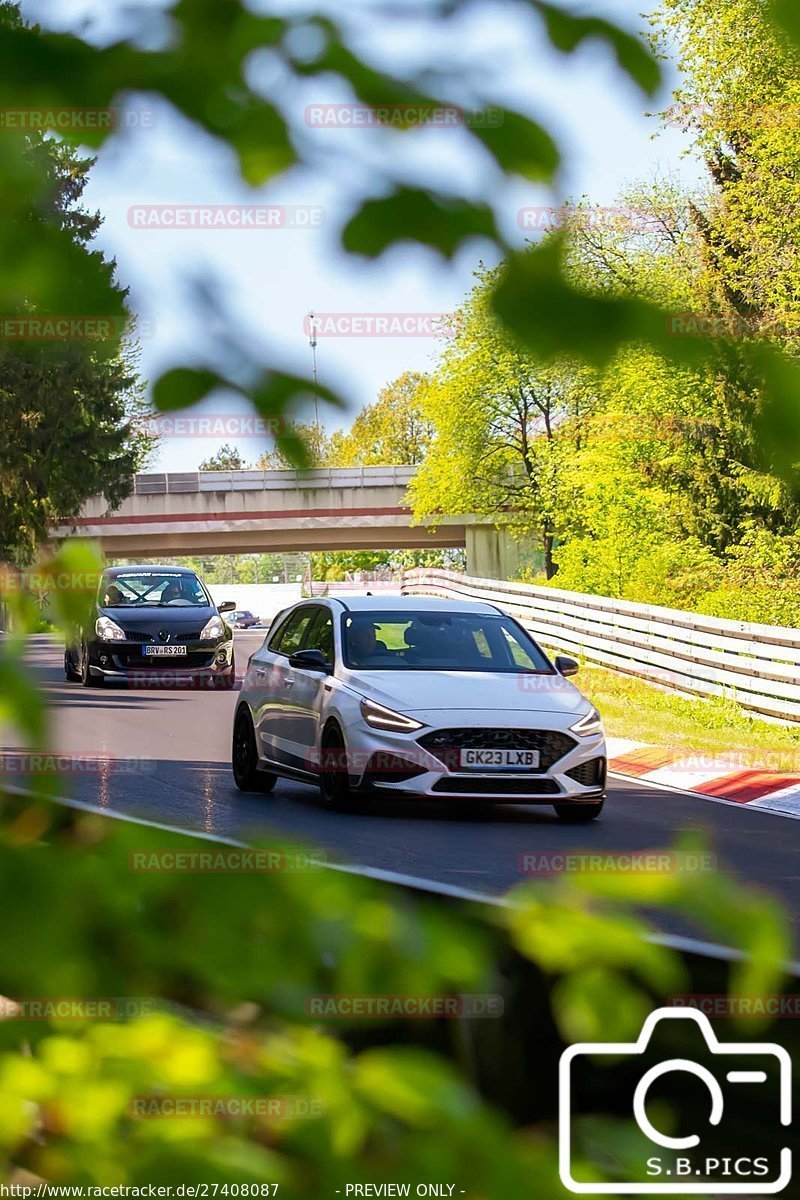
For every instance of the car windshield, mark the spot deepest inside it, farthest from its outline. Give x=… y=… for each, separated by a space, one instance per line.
x=152 y=589
x=439 y=641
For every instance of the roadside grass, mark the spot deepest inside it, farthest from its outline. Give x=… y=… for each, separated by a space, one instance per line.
x=633 y=709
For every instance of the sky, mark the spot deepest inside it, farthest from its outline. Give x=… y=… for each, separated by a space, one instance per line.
x=188 y=285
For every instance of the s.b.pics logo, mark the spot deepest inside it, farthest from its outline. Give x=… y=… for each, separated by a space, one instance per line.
x=711 y=1122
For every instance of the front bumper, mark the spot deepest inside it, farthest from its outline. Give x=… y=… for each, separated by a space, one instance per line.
x=125 y=661
x=380 y=762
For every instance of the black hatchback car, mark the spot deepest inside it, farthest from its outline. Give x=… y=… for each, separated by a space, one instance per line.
x=153 y=623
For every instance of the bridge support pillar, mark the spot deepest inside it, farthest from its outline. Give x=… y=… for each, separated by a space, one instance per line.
x=492 y=553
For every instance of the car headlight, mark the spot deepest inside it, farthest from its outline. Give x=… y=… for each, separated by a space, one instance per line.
x=385 y=718
x=215 y=628
x=589 y=723
x=108 y=630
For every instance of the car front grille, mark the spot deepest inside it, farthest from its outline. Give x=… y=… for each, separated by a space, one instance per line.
x=148 y=639
x=496 y=787
x=445 y=744
x=590 y=774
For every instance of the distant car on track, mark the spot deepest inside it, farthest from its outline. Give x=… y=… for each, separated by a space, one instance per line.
x=242 y=618
x=420 y=698
x=151 y=619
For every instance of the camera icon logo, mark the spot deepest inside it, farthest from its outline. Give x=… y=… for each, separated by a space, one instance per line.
x=682 y=1165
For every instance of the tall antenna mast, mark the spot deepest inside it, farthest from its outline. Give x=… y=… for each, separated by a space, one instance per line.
x=312 y=341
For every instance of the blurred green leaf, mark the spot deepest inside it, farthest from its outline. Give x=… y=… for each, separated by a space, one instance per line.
x=440 y=222
x=184 y=386
x=559 y=935
x=519 y=145
x=596 y=1005
x=553 y=318
x=777 y=418
x=568 y=31
x=786 y=15
x=413 y=1086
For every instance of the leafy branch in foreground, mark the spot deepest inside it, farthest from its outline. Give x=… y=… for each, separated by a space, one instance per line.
x=215 y=971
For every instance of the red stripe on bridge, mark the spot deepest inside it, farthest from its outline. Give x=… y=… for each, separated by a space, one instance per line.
x=264 y=515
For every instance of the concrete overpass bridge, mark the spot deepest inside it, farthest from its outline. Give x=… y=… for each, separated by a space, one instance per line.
x=249 y=512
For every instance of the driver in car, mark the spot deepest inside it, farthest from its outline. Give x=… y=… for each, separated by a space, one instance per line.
x=362 y=642
x=171 y=592
x=113 y=597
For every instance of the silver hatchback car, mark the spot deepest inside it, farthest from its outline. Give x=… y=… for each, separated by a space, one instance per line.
x=416 y=697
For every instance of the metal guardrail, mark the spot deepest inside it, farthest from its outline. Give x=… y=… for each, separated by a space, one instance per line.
x=247 y=481
x=756 y=665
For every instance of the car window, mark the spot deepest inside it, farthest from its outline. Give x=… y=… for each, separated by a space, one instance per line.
x=290 y=635
x=320 y=634
x=272 y=643
x=519 y=654
x=150 y=589
x=439 y=641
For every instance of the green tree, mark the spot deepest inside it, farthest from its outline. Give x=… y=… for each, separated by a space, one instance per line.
x=227 y=458
x=740 y=98
x=502 y=424
x=330 y=567
x=69 y=407
x=692 y=431
x=305 y=444
x=70 y=431
x=393 y=430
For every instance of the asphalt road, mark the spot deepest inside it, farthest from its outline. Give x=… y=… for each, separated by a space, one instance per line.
x=184 y=736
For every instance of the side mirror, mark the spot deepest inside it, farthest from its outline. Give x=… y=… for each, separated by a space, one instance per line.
x=567 y=666
x=310 y=660
x=226 y=606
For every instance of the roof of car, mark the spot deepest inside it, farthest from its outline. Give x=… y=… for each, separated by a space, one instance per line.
x=132 y=568
x=398 y=603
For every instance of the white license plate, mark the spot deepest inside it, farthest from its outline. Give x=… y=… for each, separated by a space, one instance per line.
x=499 y=760
x=164 y=651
